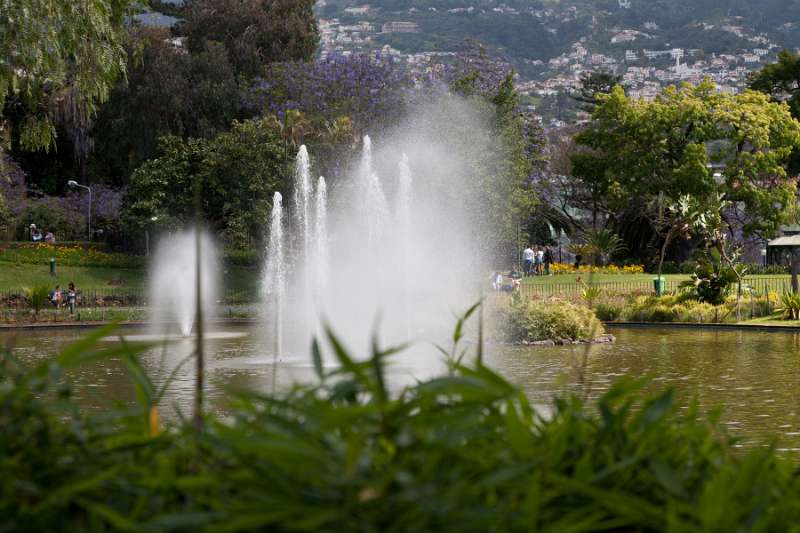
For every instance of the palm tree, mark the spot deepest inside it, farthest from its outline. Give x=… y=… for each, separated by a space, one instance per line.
x=604 y=243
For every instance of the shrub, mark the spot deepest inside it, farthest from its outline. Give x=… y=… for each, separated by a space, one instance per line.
x=684 y=308
x=37 y=297
x=463 y=452
x=608 y=312
x=790 y=306
x=243 y=258
x=527 y=321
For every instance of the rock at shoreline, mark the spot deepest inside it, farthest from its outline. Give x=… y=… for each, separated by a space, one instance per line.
x=602 y=339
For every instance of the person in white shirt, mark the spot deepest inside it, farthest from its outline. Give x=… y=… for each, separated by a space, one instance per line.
x=497 y=281
x=528 y=257
x=539 y=260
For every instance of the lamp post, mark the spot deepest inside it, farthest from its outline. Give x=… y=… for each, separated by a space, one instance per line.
x=764 y=256
x=73 y=183
x=147 y=237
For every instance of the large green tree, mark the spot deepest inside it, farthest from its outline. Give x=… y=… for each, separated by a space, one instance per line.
x=502 y=154
x=168 y=92
x=781 y=80
x=59 y=60
x=236 y=173
x=692 y=140
x=254 y=32
x=593 y=84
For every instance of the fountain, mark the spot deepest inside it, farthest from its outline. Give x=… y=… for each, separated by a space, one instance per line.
x=357 y=255
x=372 y=197
x=321 y=236
x=275 y=274
x=173 y=276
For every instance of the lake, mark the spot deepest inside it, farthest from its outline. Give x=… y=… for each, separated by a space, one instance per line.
x=755 y=375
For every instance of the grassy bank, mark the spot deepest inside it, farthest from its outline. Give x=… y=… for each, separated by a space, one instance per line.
x=14 y=276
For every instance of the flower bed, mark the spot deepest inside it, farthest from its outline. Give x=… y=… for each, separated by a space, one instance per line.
x=566 y=268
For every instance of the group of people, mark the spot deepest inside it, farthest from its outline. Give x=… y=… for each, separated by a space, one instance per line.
x=509 y=283
x=68 y=298
x=537 y=260
x=36 y=235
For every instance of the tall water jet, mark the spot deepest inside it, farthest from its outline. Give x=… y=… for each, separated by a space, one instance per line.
x=275 y=273
x=404 y=201
x=374 y=200
x=321 y=235
x=173 y=280
x=403 y=216
x=302 y=199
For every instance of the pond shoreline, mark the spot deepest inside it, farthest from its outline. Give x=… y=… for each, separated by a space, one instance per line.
x=710 y=326
x=126 y=323
x=256 y=320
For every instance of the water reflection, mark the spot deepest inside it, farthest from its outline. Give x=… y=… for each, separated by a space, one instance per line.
x=754 y=374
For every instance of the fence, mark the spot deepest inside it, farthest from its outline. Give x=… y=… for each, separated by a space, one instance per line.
x=118 y=297
x=754 y=285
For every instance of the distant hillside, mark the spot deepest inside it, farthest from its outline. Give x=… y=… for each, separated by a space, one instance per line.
x=525 y=31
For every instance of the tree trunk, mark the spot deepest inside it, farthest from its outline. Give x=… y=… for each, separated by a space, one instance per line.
x=667 y=240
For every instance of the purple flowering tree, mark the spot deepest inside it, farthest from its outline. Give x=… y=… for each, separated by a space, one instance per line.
x=372 y=90
x=65 y=216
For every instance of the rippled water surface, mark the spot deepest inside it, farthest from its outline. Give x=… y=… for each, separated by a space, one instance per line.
x=756 y=375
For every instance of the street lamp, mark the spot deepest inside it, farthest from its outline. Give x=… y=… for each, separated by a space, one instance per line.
x=73 y=183
x=147 y=237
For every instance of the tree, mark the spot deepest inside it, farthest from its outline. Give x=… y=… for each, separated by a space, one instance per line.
x=692 y=140
x=59 y=60
x=781 y=80
x=592 y=85
x=504 y=161
x=168 y=92
x=254 y=32
x=604 y=244
x=374 y=91
x=237 y=173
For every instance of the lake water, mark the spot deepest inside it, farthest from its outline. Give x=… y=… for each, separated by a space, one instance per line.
x=755 y=375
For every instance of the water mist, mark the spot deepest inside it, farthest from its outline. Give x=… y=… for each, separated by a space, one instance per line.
x=173 y=281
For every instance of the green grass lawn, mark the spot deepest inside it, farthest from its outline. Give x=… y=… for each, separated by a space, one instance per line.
x=14 y=276
x=773 y=321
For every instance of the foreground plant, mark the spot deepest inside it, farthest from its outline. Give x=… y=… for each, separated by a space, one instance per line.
x=464 y=452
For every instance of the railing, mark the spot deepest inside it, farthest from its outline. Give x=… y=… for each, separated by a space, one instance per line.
x=754 y=285
x=118 y=297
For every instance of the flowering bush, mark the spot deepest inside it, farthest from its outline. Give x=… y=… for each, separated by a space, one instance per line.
x=565 y=268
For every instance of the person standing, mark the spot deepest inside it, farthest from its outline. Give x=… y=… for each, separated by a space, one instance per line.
x=548 y=260
x=72 y=298
x=539 y=260
x=528 y=256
